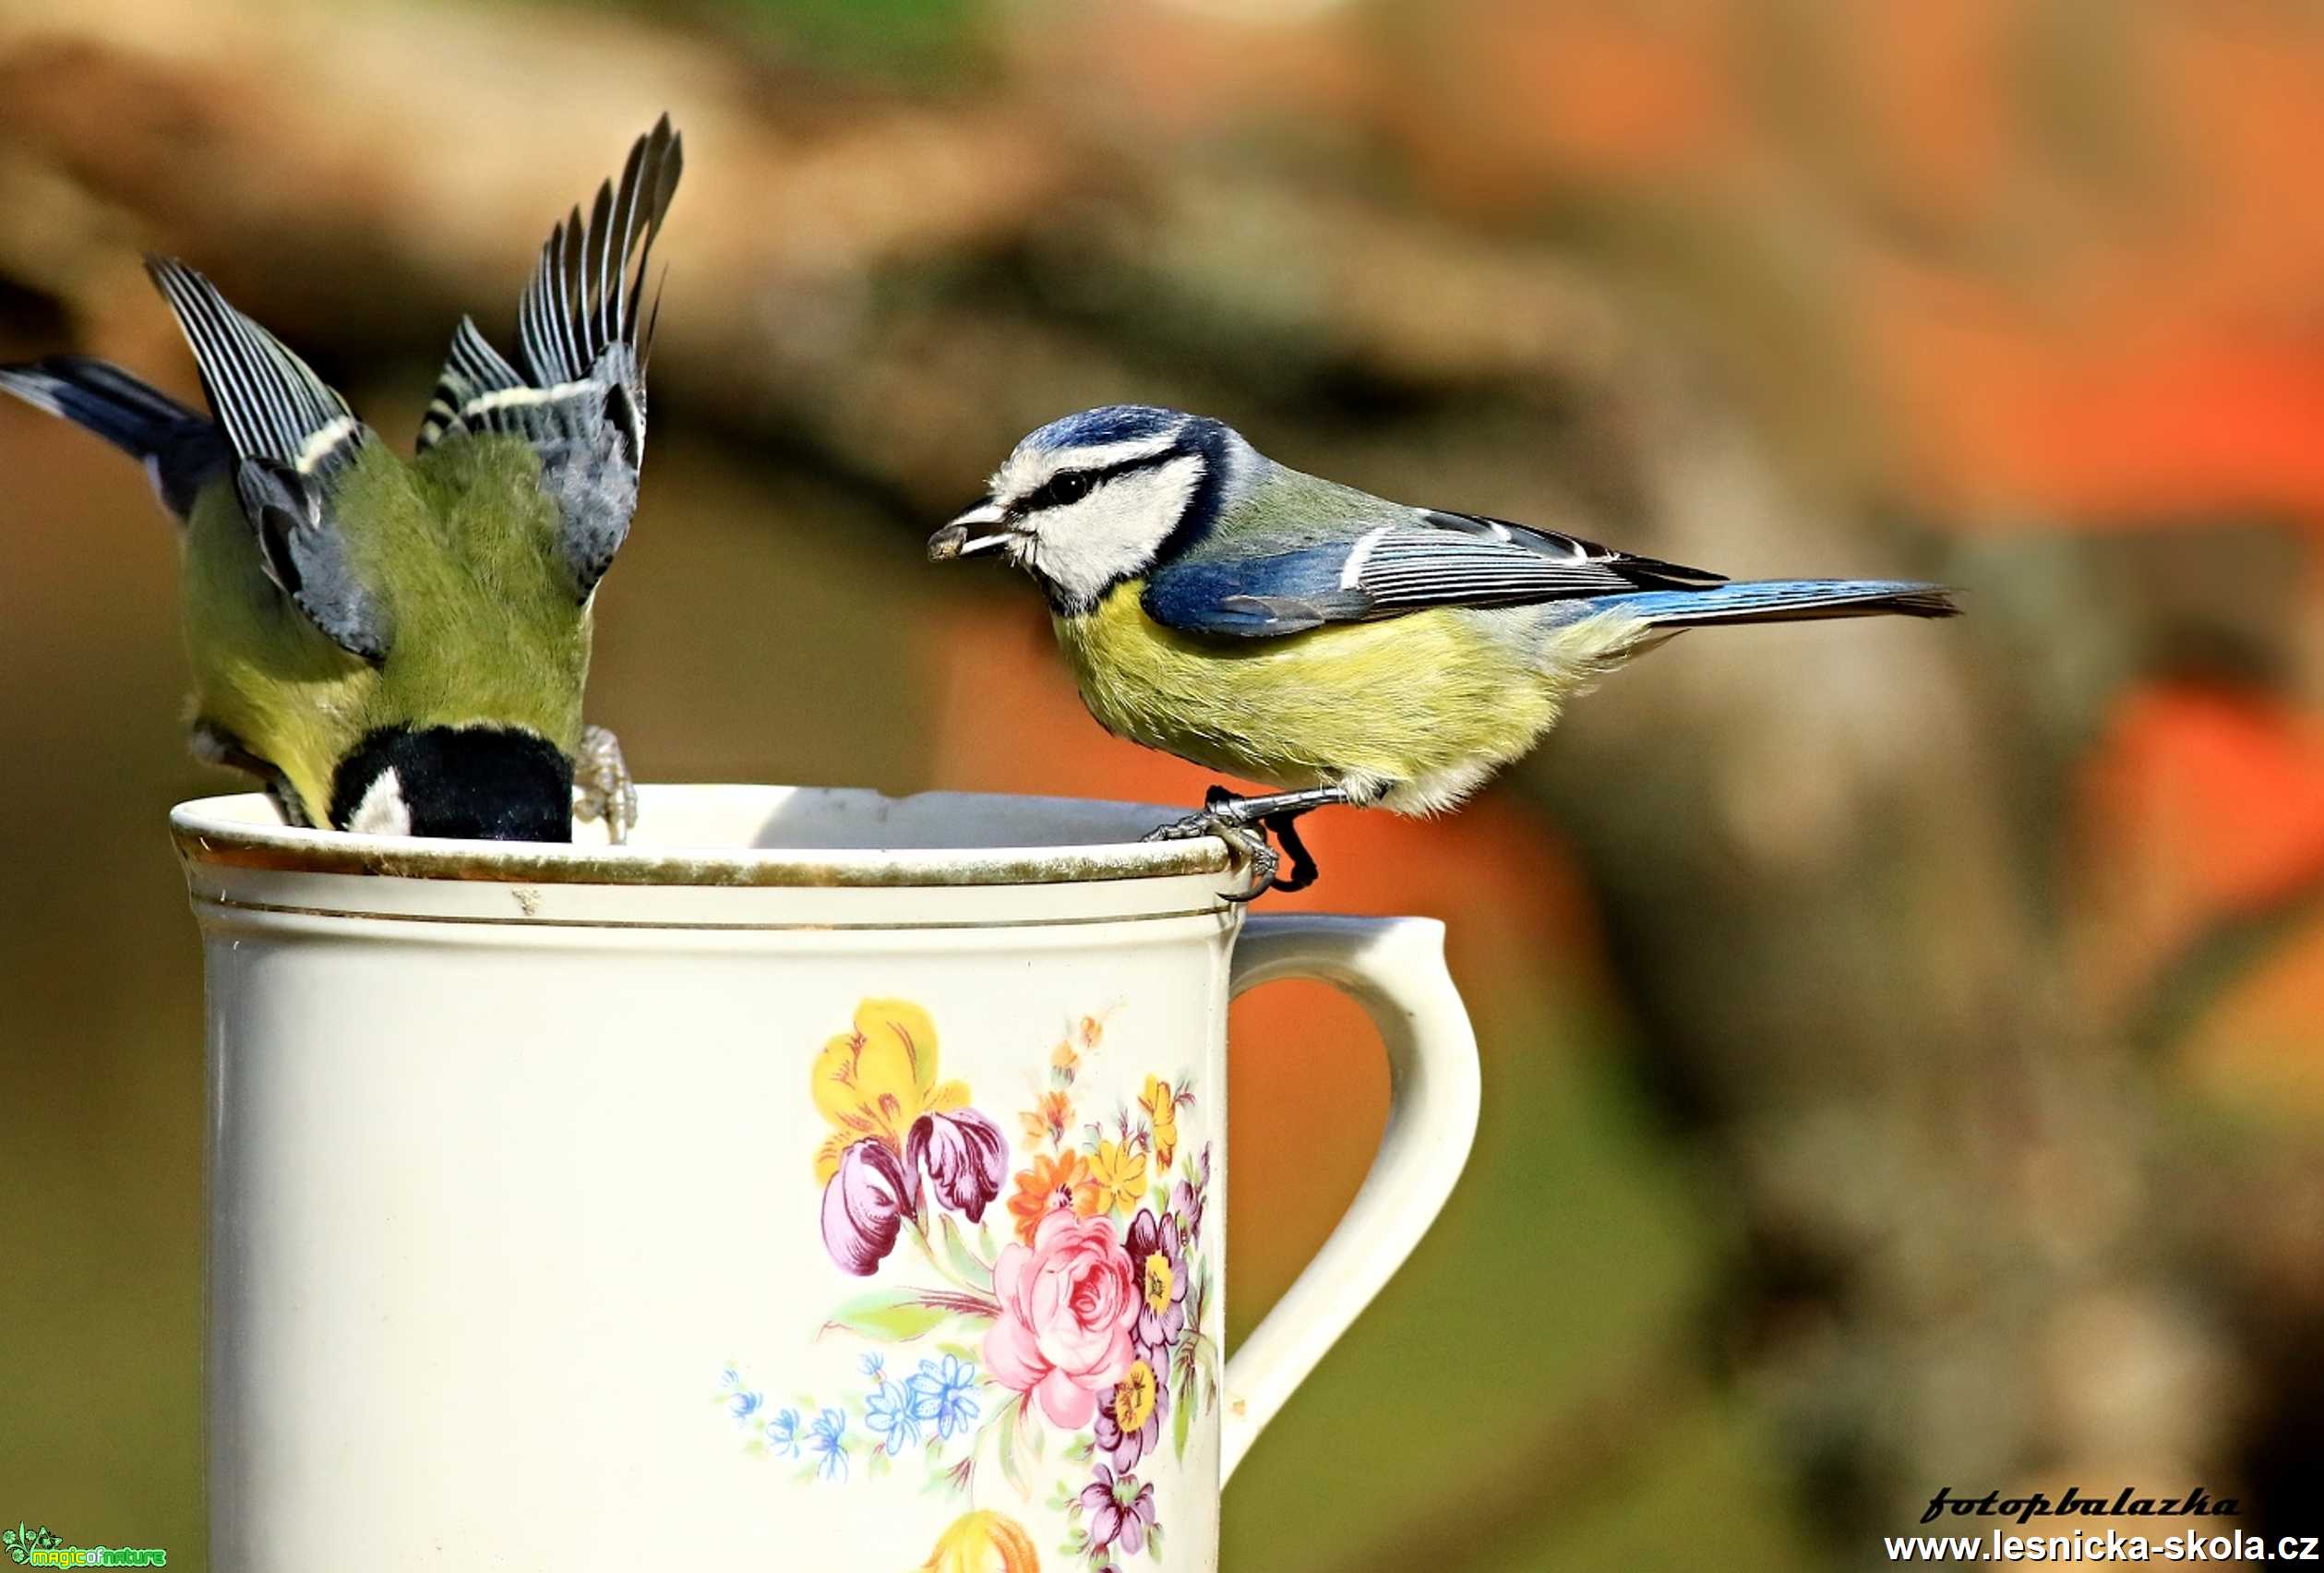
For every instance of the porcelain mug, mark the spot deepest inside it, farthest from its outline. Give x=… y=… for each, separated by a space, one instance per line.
x=819 y=1180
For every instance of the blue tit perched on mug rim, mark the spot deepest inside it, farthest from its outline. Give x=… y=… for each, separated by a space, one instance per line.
x=392 y=646
x=1342 y=648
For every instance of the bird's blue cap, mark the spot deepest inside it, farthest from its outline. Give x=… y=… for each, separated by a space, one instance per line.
x=1107 y=424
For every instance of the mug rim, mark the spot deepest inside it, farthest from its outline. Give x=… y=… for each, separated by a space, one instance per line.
x=225 y=832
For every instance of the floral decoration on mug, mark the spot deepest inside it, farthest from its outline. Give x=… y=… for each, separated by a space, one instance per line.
x=1087 y=1316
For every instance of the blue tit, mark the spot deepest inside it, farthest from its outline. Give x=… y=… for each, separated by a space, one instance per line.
x=1290 y=630
x=399 y=647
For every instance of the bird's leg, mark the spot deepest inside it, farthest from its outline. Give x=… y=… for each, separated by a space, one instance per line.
x=286 y=803
x=602 y=788
x=1284 y=820
x=1274 y=805
x=213 y=744
x=1303 y=869
x=1232 y=819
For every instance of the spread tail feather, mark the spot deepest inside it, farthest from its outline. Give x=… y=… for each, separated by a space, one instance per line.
x=98 y=396
x=180 y=448
x=1788 y=600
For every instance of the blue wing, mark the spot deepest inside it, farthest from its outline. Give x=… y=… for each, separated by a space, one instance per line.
x=293 y=440
x=1431 y=559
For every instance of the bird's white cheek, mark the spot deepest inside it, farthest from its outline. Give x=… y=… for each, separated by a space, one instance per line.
x=1115 y=532
x=383 y=811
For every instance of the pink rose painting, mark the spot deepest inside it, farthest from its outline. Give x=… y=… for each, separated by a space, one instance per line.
x=1067 y=1306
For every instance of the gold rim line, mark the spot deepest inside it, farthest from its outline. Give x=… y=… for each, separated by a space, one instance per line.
x=744 y=868
x=228 y=904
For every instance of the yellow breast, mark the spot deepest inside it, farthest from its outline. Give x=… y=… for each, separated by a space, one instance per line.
x=1435 y=699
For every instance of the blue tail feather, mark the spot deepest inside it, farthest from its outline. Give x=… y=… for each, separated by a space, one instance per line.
x=1785 y=600
x=180 y=448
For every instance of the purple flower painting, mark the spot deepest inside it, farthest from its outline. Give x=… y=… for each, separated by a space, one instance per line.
x=1120 y=1512
x=863 y=1207
x=965 y=1158
x=1159 y=1258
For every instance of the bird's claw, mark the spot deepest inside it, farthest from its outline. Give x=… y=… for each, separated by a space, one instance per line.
x=1262 y=858
x=602 y=788
x=1245 y=845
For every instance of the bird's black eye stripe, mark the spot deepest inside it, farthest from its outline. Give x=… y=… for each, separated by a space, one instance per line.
x=1069 y=486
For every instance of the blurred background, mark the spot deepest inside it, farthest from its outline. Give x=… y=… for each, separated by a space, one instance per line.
x=1904 y=1042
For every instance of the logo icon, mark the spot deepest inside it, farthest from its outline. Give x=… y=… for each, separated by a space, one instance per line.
x=22 y=1542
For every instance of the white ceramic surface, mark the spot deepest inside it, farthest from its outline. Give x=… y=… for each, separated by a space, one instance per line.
x=816 y=1182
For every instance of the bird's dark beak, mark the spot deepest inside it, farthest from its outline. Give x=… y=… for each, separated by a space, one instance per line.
x=962 y=538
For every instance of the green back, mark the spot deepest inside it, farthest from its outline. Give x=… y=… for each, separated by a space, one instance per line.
x=460 y=546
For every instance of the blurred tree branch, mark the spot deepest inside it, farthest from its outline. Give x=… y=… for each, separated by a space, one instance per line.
x=853 y=266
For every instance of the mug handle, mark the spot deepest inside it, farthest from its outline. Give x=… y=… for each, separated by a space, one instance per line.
x=1395 y=969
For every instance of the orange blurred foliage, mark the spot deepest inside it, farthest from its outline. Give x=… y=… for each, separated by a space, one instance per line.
x=2203 y=809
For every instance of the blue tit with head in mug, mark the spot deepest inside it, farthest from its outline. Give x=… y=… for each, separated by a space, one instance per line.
x=1319 y=640
x=392 y=646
